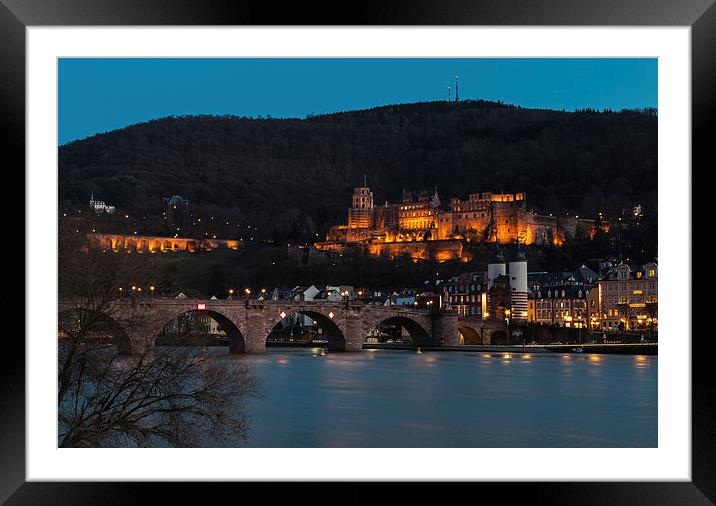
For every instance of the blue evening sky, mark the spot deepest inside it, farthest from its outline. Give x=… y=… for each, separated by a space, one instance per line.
x=98 y=95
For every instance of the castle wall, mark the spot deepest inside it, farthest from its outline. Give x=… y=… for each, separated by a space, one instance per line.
x=337 y=233
x=586 y=229
x=568 y=225
x=419 y=250
x=472 y=216
x=340 y=247
x=542 y=230
x=385 y=217
x=410 y=226
x=508 y=218
x=446 y=225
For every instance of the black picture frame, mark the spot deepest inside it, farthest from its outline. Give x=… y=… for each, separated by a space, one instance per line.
x=700 y=15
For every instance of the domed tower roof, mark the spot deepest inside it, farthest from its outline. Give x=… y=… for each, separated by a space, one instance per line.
x=496 y=255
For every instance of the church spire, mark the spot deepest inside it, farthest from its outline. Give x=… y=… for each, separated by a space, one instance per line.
x=436 y=198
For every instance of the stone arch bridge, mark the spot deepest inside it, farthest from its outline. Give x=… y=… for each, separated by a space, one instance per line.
x=248 y=323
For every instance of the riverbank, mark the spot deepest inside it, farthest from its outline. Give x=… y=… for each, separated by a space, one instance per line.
x=620 y=349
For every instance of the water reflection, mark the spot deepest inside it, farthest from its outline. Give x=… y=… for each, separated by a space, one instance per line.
x=641 y=361
x=387 y=398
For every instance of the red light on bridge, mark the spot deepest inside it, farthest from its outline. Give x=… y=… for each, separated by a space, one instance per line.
x=201 y=306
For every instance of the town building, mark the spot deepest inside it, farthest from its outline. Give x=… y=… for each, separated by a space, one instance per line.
x=628 y=299
x=397 y=300
x=99 y=206
x=301 y=293
x=499 y=293
x=562 y=306
x=466 y=294
x=331 y=294
x=594 y=317
x=583 y=277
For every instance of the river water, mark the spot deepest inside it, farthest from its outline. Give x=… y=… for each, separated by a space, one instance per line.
x=388 y=398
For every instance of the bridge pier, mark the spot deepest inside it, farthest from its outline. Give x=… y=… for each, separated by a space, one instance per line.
x=444 y=329
x=353 y=334
x=255 y=334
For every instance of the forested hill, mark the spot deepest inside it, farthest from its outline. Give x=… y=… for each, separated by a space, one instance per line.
x=280 y=171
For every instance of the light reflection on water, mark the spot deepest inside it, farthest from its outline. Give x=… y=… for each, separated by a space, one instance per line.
x=388 y=398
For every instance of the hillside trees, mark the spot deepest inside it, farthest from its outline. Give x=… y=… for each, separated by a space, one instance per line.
x=262 y=169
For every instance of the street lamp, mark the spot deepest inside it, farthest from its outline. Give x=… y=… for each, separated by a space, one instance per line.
x=248 y=292
x=507 y=322
x=151 y=292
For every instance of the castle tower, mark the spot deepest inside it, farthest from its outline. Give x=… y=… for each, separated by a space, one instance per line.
x=518 y=284
x=495 y=266
x=360 y=215
x=362 y=198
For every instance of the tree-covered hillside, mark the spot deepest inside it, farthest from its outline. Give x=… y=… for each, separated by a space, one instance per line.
x=293 y=177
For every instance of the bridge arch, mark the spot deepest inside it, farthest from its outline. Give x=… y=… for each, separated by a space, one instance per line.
x=103 y=327
x=470 y=335
x=235 y=338
x=332 y=331
x=418 y=334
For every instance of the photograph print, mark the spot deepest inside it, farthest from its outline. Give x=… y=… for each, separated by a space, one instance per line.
x=357 y=252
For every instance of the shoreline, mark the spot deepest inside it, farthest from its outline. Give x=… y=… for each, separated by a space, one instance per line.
x=609 y=349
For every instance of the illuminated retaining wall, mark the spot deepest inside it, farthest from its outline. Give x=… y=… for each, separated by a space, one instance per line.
x=156 y=244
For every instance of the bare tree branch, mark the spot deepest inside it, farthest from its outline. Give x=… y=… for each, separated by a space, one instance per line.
x=168 y=397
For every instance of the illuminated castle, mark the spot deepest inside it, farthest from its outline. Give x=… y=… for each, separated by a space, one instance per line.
x=420 y=227
x=99 y=207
